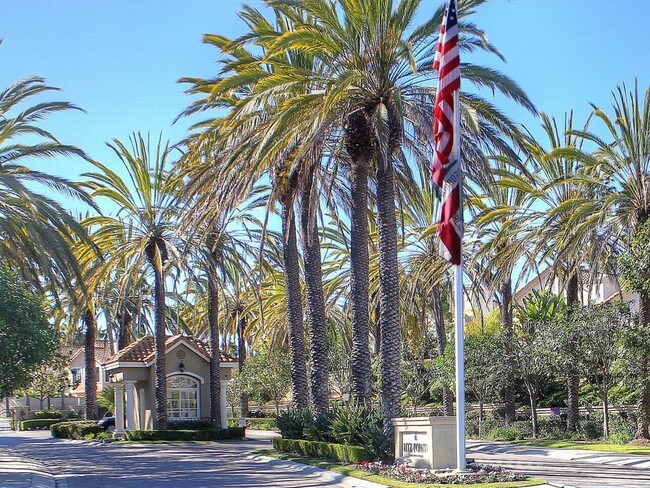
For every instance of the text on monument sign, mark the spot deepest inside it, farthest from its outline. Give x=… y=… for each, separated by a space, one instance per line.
x=415 y=444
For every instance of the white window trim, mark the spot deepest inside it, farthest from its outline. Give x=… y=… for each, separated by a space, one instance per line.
x=199 y=380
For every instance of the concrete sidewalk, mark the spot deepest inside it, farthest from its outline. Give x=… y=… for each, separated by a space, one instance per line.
x=19 y=472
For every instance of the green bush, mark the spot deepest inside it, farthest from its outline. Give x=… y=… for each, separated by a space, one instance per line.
x=190 y=425
x=292 y=423
x=505 y=433
x=362 y=426
x=100 y=435
x=261 y=423
x=75 y=430
x=37 y=424
x=620 y=438
x=336 y=452
x=42 y=414
x=231 y=433
x=319 y=428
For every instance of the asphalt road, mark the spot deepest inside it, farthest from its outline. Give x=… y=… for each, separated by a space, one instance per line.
x=226 y=464
x=80 y=464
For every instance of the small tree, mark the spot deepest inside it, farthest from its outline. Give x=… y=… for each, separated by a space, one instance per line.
x=26 y=338
x=267 y=377
x=418 y=375
x=601 y=328
x=48 y=379
x=484 y=370
x=532 y=345
x=634 y=266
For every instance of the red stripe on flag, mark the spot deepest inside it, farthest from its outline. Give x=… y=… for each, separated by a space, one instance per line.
x=445 y=127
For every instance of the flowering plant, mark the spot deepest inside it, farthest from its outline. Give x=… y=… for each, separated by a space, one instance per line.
x=479 y=473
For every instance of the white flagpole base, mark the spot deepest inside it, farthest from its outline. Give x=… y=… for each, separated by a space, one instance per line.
x=461 y=463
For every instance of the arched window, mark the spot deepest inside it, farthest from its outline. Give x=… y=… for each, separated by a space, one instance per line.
x=182 y=397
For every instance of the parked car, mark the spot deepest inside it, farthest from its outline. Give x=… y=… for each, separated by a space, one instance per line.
x=107 y=423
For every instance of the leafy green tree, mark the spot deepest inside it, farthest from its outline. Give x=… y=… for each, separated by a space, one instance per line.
x=49 y=379
x=601 y=329
x=484 y=369
x=27 y=340
x=532 y=351
x=267 y=377
x=634 y=266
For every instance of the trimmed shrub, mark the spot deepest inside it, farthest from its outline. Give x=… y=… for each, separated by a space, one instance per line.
x=189 y=425
x=38 y=424
x=75 y=430
x=42 y=414
x=231 y=433
x=336 y=452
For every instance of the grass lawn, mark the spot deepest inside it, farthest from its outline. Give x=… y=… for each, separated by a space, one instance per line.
x=588 y=446
x=348 y=470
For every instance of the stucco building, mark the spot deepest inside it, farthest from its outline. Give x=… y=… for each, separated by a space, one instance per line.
x=187 y=361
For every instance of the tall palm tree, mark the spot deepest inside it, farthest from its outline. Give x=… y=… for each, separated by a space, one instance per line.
x=35 y=230
x=145 y=223
x=550 y=183
x=616 y=197
x=374 y=85
x=292 y=171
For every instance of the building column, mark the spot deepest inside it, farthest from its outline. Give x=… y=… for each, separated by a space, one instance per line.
x=119 y=411
x=130 y=405
x=224 y=404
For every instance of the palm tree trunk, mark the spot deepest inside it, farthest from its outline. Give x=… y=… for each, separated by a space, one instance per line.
x=125 y=333
x=215 y=381
x=358 y=135
x=90 y=384
x=359 y=266
x=391 y=337
x=573 y=377
x=506 y=320
x=299 y=388
x=316 y=319
x=241 y=353
x=160 y=339
x=441 y=342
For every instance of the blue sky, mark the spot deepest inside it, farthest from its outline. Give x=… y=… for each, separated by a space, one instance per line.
x=119 y=60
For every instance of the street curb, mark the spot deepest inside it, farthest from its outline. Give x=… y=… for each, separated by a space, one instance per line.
x=349 y=481
x=15 y=469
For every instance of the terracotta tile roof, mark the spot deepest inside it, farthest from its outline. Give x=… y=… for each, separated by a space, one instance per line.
x=102 y=351
x=143 y=350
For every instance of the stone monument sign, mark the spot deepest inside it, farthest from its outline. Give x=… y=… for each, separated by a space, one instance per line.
x=426 y=442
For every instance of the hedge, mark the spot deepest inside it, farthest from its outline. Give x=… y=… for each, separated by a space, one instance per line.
x=232 y=433
x=336 y=452
x=37 y=423
x=44 y=414
x=75 y=430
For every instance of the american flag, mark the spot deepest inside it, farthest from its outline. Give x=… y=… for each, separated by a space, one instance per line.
x=446 y=168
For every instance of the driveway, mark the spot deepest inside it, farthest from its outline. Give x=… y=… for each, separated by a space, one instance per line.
x=79 y=464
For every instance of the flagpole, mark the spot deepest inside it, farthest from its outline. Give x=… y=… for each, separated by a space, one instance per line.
x=461 y=464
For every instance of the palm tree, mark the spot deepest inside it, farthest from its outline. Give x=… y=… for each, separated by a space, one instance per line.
x=427 y=271
x=615 y=200
x=35 y=231
x=292 y=172
x=502 y=235
x=144 y=225
x=377 y=66
x=550 y=183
